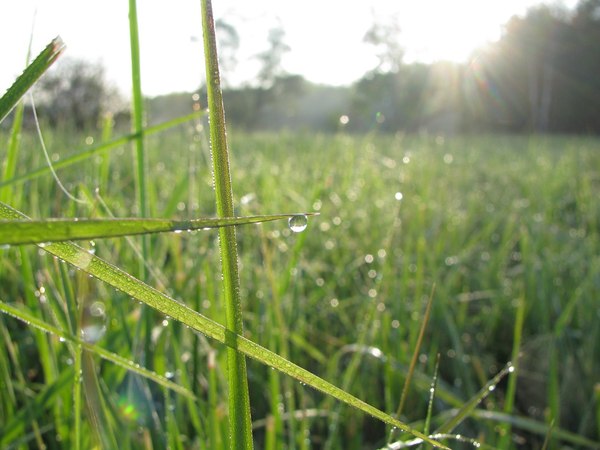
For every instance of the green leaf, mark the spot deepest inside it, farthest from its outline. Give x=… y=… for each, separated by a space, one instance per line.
x=31 y=74
x=17 y=232
x=135 y=288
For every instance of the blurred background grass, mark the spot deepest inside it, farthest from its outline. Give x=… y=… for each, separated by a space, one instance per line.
x=489 y=220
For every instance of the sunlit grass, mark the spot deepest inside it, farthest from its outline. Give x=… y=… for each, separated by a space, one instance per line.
x=505 y=228
x=473 y=218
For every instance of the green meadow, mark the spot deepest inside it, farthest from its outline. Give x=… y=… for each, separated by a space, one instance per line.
x=498 y=234
x=178 y=287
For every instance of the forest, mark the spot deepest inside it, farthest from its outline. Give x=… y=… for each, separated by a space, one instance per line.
x=541 y=77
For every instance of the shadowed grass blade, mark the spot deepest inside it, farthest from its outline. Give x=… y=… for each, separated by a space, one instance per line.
x=14 y=428
x=470 y=406
x=135 y=288
x=539 y=428
x=31 y=74
x=109 y=356
x=17 y=232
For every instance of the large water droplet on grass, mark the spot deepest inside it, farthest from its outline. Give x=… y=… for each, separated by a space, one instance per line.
x=298 y=223
x=93 y=322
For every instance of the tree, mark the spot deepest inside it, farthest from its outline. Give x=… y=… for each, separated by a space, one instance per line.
x=75 y=93
x=385 y=37
x=542 y=74
x=271 y=58
x=229 y=43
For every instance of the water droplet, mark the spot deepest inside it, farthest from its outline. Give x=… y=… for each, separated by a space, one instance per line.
x=298 y=223
x=93 y=322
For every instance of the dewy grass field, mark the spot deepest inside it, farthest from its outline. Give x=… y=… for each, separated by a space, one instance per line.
x=497 y=235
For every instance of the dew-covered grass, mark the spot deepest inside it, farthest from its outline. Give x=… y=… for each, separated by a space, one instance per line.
x=490 y=227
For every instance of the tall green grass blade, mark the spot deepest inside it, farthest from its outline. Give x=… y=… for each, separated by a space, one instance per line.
x=138 y=120
x=143 y=331
x=31 y=74
x=466 y=410
x=102 y=147
x=33 y=321
x=77 y=403
x=133 y=287
x=548 y=436
x=20 y=382
x=539 y=428
x=240 y=422
x=432 y=390
x=214 y=435
x=17 y=232
x=14 y=427
x=96 y=404
x=103 y=173
x=509 y=398
x=416 y=352
x=10 y=164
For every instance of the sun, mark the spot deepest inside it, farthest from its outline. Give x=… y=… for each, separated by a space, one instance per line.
x=450 y=31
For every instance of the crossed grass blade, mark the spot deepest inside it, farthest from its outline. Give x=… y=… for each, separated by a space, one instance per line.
x=100 y=148
x=140 y=291
x=33 y=321
x=17 y=232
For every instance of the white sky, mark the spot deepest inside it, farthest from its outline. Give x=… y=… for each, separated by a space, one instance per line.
x=325 y=36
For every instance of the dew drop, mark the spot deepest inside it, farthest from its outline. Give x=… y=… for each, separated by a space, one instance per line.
x=93 y=324
x=298 y=223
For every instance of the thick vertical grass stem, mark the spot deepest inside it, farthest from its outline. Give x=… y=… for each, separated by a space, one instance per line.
x=239 y=402
x=138 y=121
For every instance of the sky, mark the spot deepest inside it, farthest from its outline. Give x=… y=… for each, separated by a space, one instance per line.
x=325 y=36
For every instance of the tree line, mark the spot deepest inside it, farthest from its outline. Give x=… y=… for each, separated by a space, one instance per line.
x=541 y=76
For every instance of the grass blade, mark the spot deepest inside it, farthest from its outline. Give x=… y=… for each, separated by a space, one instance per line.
x=102 y=147
x=12 y=429
x=470 y=406
x=509 y=398
x=31 y=74
x=416 y=352
x=105 y=354
x=135 y=288
x=141 y=186
x=240 y=422
x=539 y=428
x=17 y=232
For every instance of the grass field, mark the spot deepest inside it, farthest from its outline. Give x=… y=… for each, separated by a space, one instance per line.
x=501 y=232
